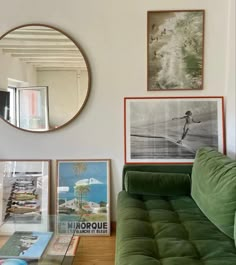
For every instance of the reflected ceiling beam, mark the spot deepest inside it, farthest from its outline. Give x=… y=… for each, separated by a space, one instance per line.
x=31 y=32
x=35 y=37
x=37 y=46
x=42 y=48
x=49 y=60
x=60 y=68
x=17 y=52
x=51 y=56
x=35 y=34
x=61 y=65
x=43 y=43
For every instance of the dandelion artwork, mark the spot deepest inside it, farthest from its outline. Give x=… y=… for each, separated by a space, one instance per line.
x=175 y=50
x=83 y=197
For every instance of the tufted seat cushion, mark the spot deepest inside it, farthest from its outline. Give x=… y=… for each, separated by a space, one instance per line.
x=164 y=230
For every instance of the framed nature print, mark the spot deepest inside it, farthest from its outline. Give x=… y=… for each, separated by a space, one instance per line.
x=24 y=195
x=175 y=49
x=171 y=129
x=83 y=197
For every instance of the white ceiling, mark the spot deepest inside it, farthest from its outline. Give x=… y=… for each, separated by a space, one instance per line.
x=43 y=47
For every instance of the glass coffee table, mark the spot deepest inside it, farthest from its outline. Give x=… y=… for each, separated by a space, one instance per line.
x=37 y=243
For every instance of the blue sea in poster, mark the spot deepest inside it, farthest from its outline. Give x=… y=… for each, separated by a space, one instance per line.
x=97 y=194
x=95 y=170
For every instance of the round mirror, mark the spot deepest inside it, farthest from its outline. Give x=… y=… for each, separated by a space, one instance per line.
x=44 y=78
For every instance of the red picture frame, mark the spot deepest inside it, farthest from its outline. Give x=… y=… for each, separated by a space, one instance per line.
x=171 y=129
x=175 y=50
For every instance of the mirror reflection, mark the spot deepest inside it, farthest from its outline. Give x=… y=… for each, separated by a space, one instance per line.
x=44 y=78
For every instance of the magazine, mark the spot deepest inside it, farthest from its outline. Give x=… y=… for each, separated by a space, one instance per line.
x=27 y=245
x=59 y=245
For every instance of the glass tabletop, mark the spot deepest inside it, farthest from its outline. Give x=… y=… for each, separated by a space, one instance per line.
x=36 y=241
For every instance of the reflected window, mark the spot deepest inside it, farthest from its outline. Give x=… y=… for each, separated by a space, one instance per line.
x=12 y=105
x=25 y=107
x=5 y=105
x=32 y=108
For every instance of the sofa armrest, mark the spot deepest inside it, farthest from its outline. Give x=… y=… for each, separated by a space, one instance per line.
x=235 y=229
x=157 y=183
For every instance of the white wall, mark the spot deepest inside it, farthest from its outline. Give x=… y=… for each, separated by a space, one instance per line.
x=230 y=82
x=12 y=68
x=63 y=94
x=113 y=35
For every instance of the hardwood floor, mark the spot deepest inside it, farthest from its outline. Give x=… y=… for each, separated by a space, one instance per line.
x=96 y=250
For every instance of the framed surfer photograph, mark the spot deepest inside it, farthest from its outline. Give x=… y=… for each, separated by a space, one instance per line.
x=83 y=197
x=171 y=129
x=24 y=195
x=175 y=49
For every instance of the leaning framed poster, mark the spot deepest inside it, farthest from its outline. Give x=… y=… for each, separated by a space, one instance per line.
x=24 y=195
x=171 y=129
x=175 y=49
x=83 y=196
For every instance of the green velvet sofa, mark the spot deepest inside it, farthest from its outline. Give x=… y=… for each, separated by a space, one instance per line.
x=178 y=214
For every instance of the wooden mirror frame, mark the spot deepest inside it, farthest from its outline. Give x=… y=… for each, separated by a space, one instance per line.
x=88 y=72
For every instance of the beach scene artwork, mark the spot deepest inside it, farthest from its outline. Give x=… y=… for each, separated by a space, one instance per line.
x=83 y=199
x=172 y=129
x=175 y=50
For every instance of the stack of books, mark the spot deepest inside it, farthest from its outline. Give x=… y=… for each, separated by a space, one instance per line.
x=23 y=247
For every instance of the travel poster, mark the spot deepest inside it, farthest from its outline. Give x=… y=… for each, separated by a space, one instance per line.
x=83 y=199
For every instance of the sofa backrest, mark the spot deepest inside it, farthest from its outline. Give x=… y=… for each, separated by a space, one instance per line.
x=214 y=188
x=157 y=183
x=154 y=168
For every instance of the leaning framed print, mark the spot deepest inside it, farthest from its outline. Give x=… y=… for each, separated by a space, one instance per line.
x=175 y=49
x=171 y=129
x=24 y=195
x=83 y=197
